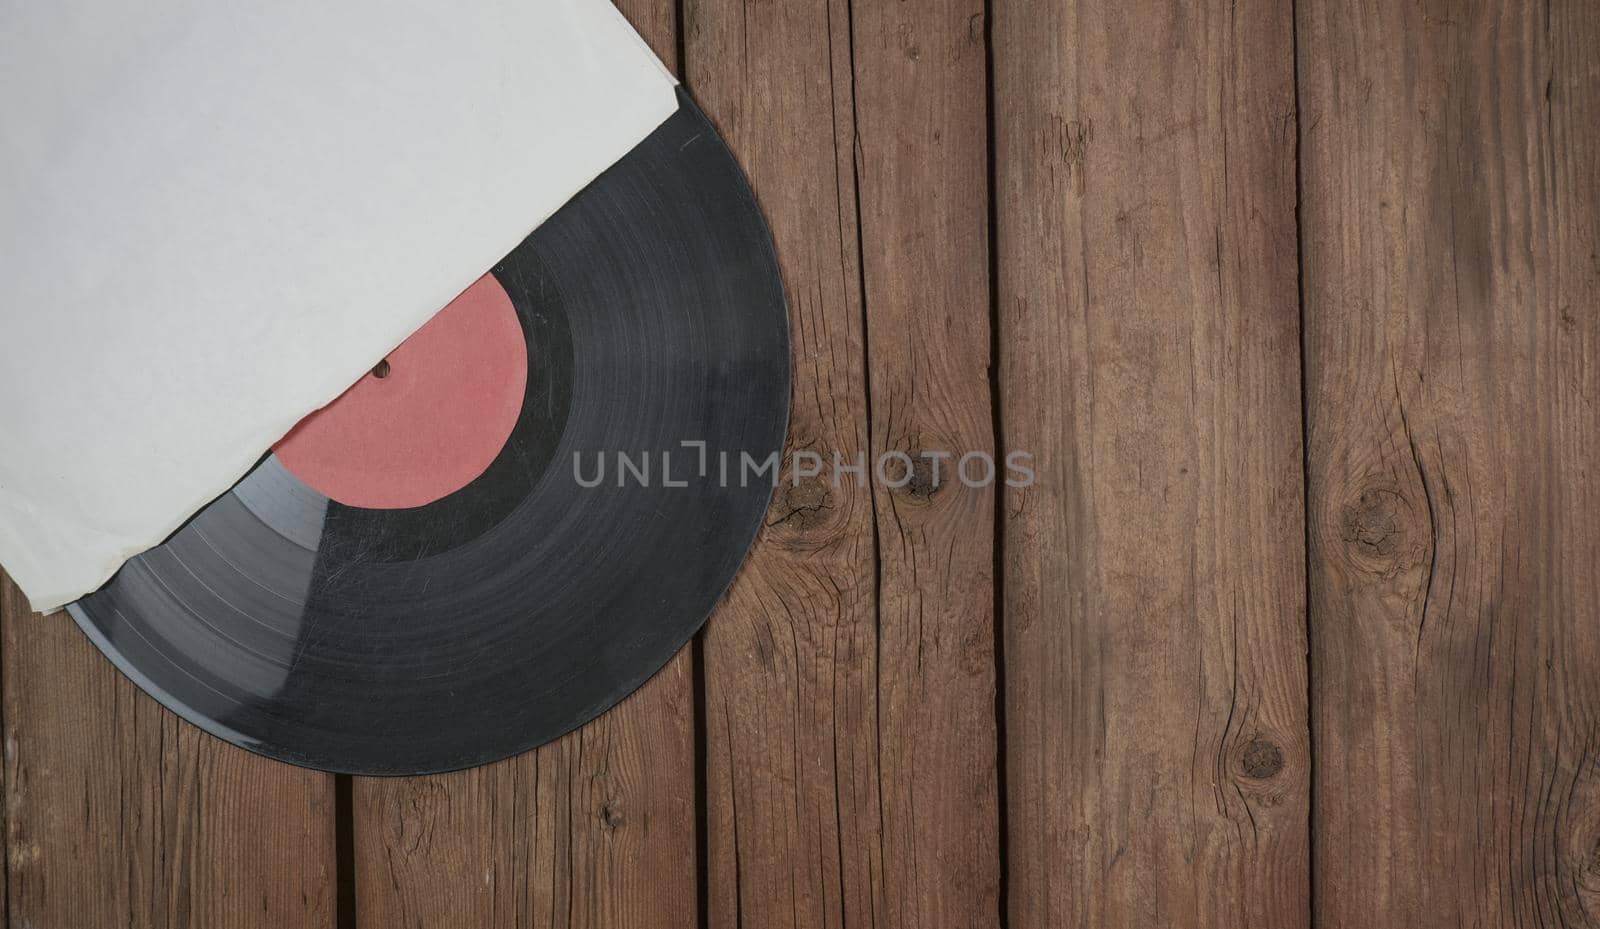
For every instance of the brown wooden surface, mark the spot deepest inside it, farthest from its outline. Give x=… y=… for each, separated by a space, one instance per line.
x=594 y=830
x=119 y=814
x=1363 y=426
x=1154 y=587
x=921 y=154
x=793 y=775
x=850 y=677
x=1451 y=228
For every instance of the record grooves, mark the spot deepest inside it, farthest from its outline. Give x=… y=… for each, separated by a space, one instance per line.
x=497 y=618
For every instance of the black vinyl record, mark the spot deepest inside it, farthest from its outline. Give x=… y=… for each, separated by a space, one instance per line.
x=501 y=616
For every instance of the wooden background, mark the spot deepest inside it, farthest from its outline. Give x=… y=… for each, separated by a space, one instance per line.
x=1295 y=307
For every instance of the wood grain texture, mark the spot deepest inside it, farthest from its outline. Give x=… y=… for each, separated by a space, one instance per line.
x=119 y=814
x=1451 y=180
x=1158 y=758
x=594 y=831
x=792 y=772
x=922 y=164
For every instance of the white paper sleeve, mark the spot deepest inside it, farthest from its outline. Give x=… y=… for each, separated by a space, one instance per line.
x=215 y=216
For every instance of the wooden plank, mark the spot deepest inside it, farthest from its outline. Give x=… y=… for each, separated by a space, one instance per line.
x=795 y=834
x=597 y=829
x=120 y=814
x=1451 y=178
x=922 y=159
x=1157 y=752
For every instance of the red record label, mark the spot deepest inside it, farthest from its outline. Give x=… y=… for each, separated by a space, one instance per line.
x=429 y=419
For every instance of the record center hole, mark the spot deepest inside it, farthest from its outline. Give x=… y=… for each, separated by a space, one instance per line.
x=381 y=369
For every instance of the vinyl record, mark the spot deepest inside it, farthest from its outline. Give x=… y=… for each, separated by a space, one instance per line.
x=421 y=578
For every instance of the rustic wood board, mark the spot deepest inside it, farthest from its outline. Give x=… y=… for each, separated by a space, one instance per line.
x=1157 y=753
x=597 y=830
x=792 y=768
x=1452 y=267
x=850 y=688
x=119 y=814
x=922 y=164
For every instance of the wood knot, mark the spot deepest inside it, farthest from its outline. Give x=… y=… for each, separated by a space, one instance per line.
x=611 y=816
x=1376 y=529
x=1262 y=759
x=802 y=506
x=814 y=498
x=1580 y=858
x=1373 y=525
x=923 y=483
x=916 y=474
